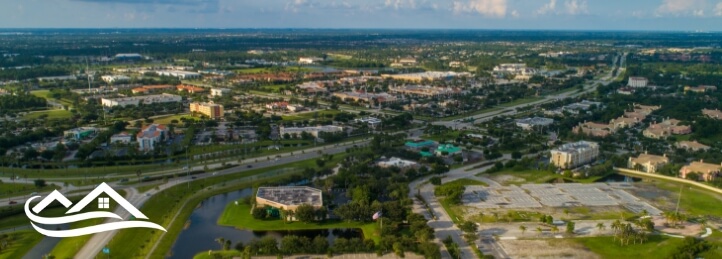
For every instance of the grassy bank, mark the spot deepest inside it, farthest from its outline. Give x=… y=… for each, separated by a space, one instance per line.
x=656 y=247
x=239 y=216
x=20 y=243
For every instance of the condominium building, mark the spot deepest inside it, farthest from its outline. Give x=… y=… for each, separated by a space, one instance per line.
x=573 y=155
x=705 y=171
x=666 y=128
x=692 y=145
x=210 y=109
x=593 y=129
x=712 y=114
x=648 y=163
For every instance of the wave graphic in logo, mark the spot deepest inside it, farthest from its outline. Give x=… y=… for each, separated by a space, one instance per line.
x=110 y=226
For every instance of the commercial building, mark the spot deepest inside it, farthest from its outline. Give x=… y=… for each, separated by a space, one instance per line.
x=424 y=90
x=419 y=144
x=80 y=133
x=148 y=99
x=637 y=82
x=530 y=123
x=514 y=68
x=115 y=78
x=447 y=149
x=314 y=131
x=123 y=138
x=277 y=106
x=370 y=121
x=366 y=97
x=220 y=91
x=288 y=197
x=648 y=163
x=428 y=76
x=210 y=109
x=573 y=155
x=190 y=89
x=152 y=89
x=179 y=74
x=150 y=135
x=295 y=107
x=128 y=56
x=309 y=60
x=396 y=162
x=700 y=89
x=705 y=171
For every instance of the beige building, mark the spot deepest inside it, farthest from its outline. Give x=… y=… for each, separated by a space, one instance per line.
x=288 y=197
x=648 y=163
x=666 y=128
x=573 y=155
x=593 y=129
x=706 y=171
x=712 y=114
x=210 y=109
x=692 y=145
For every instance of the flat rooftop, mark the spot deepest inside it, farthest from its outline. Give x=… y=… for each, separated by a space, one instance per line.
x=291 y=195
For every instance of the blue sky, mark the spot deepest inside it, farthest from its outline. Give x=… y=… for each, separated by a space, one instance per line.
x=460 y=14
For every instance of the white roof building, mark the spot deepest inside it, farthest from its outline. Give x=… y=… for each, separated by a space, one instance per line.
x=114 y=78
x=135 y=100
x=179 y=74
x=530 y=123
x=396 y=162
x=314 y=131
x=220 y=91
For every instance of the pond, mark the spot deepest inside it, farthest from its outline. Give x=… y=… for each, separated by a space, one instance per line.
x=203 y=230
x=619 y=178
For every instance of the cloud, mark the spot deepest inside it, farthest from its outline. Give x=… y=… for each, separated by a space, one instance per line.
x=681 y=7
x=718 y=9
x=400 y=4
x=547 y=8
x=575 y=7
x=164 y=2
x=488 y=8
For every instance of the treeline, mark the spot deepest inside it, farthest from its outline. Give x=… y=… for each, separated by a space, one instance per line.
x=20 y=102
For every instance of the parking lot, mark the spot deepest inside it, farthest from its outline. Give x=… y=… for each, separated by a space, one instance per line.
x=556 y=195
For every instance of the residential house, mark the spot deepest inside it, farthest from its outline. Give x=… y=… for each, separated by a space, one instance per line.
x=706 y=171
x=648 y=163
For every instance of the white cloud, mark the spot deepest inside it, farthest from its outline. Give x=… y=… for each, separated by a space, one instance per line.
x=575 y=7
x=515 y=14
x=680 y=7
x=547 y=8
x=488 y=8
x=401 y=4
x=718 y=9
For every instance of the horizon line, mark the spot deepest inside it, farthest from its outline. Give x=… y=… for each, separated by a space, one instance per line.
x=358 y=28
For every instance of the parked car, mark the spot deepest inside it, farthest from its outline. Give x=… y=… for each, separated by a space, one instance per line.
x=12 y=202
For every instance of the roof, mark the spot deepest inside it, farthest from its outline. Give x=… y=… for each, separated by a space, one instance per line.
x=576 y=146
x=419 y=143
x=449 y=148
x=150 y=131
x=701 y=167
x=692 y=145
x=652 y=159
x=291 y=195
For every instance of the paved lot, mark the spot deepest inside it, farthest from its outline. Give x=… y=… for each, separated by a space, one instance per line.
x=556 y=195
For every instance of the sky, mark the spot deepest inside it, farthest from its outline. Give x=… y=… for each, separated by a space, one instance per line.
x=677 y=15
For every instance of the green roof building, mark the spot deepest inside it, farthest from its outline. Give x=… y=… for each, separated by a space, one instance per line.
x=426 y=154
x=447 y=149
x=419 y=144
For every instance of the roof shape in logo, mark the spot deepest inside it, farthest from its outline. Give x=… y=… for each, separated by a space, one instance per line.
x=53 y=196
x=104 y=188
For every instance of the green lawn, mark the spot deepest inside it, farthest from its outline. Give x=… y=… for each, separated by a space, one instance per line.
x=521 y=101
x=694 y=201
x=453 y=210
x=145 y=188
x=324 y=114
x=169 y=118
x=51 y=114
x=15 y=189
x=20 y=244
x=465 y=182
x=216 y=253
x=239 y=216
x=656 y=247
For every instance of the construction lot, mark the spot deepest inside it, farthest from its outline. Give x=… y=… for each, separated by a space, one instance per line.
x=531 y=196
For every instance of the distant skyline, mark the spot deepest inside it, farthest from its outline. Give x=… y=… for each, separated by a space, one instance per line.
x=658 y=15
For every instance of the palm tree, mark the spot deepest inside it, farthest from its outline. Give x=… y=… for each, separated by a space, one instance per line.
x=523 y=229
x=601 y=226
x=221 y=241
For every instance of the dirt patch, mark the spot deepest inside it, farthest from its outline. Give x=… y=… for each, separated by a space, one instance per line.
x=662 y=199
x=546 y=249
x=505 y=179
x=684 y=228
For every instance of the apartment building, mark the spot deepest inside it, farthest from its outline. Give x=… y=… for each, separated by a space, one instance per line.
x=573 y=155
x=210 y=109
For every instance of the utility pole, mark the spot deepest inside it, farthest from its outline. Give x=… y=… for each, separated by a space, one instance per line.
x=676 y=211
